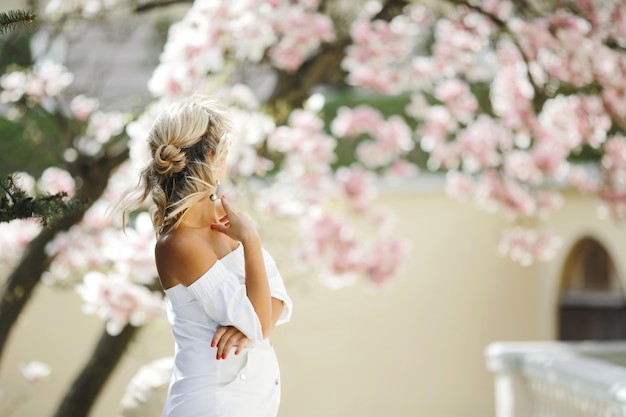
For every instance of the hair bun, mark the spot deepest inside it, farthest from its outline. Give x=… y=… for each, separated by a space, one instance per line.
x=168 y=159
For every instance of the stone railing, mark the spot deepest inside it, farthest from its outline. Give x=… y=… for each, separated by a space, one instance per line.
x=552 y=379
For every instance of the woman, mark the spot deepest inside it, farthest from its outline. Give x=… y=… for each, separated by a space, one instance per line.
x=225 y=292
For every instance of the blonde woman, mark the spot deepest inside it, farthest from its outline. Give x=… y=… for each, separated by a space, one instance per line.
x=225 y=294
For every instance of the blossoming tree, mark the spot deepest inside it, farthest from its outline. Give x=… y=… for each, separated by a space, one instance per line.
x=514 y=101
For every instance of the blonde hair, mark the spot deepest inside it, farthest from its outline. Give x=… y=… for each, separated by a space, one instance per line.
x=189 y=143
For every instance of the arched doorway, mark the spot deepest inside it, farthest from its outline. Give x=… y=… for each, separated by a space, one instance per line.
x=592 y=305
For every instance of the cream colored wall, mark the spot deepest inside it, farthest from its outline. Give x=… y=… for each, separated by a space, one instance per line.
x=413 y=349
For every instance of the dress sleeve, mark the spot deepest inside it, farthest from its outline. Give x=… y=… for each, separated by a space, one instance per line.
x=223 y=298
x=277 y=287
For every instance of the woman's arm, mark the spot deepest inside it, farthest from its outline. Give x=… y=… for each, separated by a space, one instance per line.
x=239 y=227
x=228 y=337
x=257 y=285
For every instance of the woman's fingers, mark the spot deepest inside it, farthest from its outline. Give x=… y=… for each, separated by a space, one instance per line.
x=226 y=205
x=242 y=344
x=223 y=347
x=226 y=338
x=218 y=335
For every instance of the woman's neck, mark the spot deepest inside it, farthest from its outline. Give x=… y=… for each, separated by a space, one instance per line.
x=202 y=214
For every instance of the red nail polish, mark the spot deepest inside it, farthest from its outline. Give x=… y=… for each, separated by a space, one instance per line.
x=212 y=344
x=213 y=227
x=224 y=356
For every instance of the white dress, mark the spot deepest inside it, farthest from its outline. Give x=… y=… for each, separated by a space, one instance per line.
x=244 y=385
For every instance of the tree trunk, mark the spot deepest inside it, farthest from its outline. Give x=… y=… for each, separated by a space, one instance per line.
x=27 y=274
x=84 y=391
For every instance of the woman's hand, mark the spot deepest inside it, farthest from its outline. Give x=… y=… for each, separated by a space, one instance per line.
x=226 y=338
x=235 y=225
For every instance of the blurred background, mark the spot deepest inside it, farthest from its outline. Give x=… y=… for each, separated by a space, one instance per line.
x=431 y=177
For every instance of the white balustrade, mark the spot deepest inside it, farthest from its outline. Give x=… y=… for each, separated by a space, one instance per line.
x=553 y=379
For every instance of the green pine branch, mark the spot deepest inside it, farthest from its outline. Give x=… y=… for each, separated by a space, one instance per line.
x=15 y=203
x=9 y=20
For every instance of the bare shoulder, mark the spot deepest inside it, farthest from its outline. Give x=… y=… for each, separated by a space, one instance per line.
x=182 y=257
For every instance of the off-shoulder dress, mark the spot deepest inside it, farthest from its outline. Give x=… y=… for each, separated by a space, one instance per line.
x=244 y=385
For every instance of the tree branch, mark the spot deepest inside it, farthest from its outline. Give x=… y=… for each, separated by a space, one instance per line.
x=35 y=261
x=146 y=6
x=539 y=96
x=325 y=66
x=84 y=391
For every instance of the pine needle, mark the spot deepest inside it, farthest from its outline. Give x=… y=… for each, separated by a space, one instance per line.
x=9 y=20
x=15 y=203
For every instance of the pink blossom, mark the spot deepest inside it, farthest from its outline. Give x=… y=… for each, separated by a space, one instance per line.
x=88 y=8
x=14 y=237
x=560 y=44
x=390 y=140
x=115 y=299
x=378 y=56
x=387 y=259
x=559 y=132
x=255 y=34
x=394 y=135
x=570 y=121
x=547 y=202
x=438 y=123
x=460 y=185
x=306 y=120
x=525 y=245
x=456 y=95
x=420 y=74
x=82 y=106
x=550 y=157
x=333 y=246
x=461 y=45
x=614 y=202
x=582 y=179
x=356 y=121
x=418 y=107
x=614 y=161
x=48 y=79
x=304 y=140
x=358 y=185
x=13 y=86
x=495 y=192
x=253 y=130
x=401 y=169
x=302 y=33
x=521 y=166
x=74 y=253
x=617 y=25
x=55 y=180
x=103 y=126
x=444 y=156
x=25 y=181
x=481 y=143
x=132 y=252
x=100 y=216
x=511 y=90
x=146 y=391
x=240 y=96
x=614 y=96
x=35 y=371
x=45 y=79
x=502 y=9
